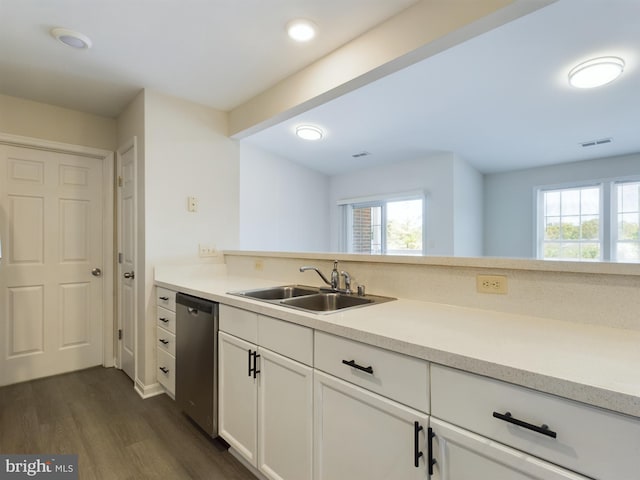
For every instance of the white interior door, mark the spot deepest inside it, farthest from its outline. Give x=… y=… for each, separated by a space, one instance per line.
x=127 y=257
x=51 y=207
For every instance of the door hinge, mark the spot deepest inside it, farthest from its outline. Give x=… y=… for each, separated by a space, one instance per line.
x=119 y=334
x=119 y=180
x=119 y=257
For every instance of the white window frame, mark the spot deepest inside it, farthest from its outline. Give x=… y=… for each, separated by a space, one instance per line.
x=348 y=204
x=608 y=213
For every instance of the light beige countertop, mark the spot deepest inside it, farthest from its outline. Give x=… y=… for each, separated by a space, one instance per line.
x=592 y=364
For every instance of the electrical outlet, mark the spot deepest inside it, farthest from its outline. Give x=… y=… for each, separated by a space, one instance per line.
x=491 y=284
x=258 y=265
x=207 y=250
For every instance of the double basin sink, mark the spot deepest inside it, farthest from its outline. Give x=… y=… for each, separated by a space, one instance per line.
x=311 y=299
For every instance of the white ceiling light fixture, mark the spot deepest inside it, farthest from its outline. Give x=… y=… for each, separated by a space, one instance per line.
x=309 y=132
x=301 y=30
x=596 y=72
x=71 y=38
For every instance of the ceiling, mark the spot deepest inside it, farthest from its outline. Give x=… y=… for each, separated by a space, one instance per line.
x=500 y=101
x=218 y=53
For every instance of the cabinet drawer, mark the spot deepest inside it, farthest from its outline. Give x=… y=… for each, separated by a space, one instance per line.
x=166 y=298
x=288 y=339
x=591 y=441
x=166 y=341
x=167 y=371
x=396 y=376
x=166 y=319
x=238 y=322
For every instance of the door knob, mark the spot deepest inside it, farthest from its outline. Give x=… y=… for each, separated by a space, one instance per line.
x=129 y=275
x=96 y=272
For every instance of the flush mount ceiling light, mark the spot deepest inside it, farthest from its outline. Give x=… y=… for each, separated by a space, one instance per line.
x=596 y=72
x=71 y=39
x=309 y=132
x=301 y=30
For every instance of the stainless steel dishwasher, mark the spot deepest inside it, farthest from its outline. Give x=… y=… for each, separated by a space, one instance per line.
x=197 y=360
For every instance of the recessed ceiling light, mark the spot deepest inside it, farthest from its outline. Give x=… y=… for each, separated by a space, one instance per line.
x=309 y=132
x=596 y=72
x=71 y=38
x=301 y=30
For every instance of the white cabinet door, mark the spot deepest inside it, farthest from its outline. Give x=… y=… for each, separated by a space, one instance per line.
x=237 y=408
x=360 y=435
x=462 y=455
x=285 y=416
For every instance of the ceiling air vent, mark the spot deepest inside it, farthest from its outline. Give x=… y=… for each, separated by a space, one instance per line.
x=593 y=143
x=360 y=154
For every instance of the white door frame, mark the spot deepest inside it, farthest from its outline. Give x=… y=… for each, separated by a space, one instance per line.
x=128 y=145
x=108 y=353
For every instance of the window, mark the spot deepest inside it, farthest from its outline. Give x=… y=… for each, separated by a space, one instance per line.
x=590 y=222
x=384 y=226
x=571 y=224
x=627 y=221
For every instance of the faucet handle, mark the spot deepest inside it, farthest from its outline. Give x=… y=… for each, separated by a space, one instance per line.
x=361 y=290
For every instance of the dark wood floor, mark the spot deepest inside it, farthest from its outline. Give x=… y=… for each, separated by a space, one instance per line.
x=96 y=414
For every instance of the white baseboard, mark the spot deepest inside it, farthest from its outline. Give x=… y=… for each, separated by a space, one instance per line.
x=148 y=391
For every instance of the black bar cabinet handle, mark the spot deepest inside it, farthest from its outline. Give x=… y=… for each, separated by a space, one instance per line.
x=352 y=363
x=249 y=363
x=162 y=340
x=164 y=299
x=543 y=429
x=417 y=428
x=255 y=364
x=165 y=320
x=164 y=369
x=431 y=460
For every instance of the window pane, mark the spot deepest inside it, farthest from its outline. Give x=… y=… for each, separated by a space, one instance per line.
x=590 y=228
x=590 y=201
x=404 y=227
x=552 y=228
x=590 y=251
x=552 y=203
x=628 y=226
x=570 y=202
x=628 y=197
x=571 y=228
x=628 y=252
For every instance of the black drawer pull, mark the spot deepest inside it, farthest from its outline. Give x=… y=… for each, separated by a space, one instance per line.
x=165 y=320
x=543 y=429
x=417 y=428
x=162 y=340
x=352 y=363
x=431 y=460
x=164 y=369
x=164 y=299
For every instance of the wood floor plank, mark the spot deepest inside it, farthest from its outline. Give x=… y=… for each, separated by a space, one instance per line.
x=96 y=414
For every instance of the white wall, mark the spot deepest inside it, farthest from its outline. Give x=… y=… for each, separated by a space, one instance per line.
x=434 y=175
x=467 y=210
x=509 y=200
x=283 y=206
x=188 y=153
x=19 y=116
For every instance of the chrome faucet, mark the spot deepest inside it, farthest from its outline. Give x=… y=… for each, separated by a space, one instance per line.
x=334 y=283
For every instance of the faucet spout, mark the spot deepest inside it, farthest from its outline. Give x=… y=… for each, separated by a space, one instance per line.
x=304 y=269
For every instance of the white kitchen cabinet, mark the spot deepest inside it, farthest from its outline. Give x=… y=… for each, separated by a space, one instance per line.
x=266 y=399
x=360 y=435
x=237 y=396
x=285 y=420
x=591 y=441
x=462 y=455
x=165 y=338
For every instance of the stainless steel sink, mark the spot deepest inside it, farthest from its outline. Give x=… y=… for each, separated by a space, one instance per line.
x=311 y=299
x=327 y=302
x=278 y=293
